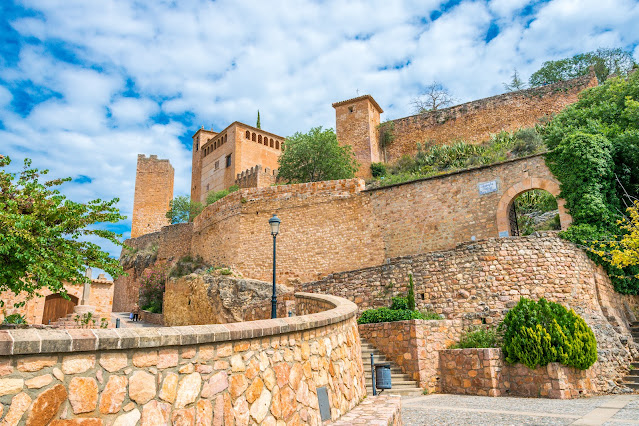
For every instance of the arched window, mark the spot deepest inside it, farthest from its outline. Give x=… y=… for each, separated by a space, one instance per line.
x=277 y=144
x=253 y=137
x=259 y=139
x=224 y=139
x=248 y=135
x=271 y=145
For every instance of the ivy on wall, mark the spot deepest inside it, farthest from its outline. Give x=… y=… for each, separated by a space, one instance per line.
x=594 y=153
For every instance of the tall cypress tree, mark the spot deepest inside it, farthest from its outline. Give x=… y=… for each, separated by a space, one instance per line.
x=258 y=125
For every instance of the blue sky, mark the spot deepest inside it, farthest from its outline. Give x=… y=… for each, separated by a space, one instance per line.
x=85 y=85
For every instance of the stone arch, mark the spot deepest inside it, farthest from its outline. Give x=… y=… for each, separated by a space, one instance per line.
x=503 y=208
x=248 y=135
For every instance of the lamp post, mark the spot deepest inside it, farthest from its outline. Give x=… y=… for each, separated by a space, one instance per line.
x=274 y=222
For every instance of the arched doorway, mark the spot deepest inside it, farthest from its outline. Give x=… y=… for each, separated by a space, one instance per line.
x=506 y=210
x=56 y=307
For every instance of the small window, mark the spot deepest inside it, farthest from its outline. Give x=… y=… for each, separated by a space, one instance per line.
x=271 y=144
x=248 y=135
x=197 y=147
x=253 y=137
x=225 y=138
x=277 y=144
x=259 y=139
x=207 y=186
x=228 y=161
x=217 y=164
x=350 y=109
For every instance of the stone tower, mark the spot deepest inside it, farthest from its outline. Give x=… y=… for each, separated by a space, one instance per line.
x=153 y=193
x=200 y=138
x=356 y=122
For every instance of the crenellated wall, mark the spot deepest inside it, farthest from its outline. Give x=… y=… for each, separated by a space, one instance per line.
x=260 y=371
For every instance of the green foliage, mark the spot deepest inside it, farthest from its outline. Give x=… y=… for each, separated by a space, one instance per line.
x=430 y=315
x=399 y=303
x=42 y=233
x=378 y=169
x=595 y=156
x=182 y=209
x=86 y=320
x=316 y=156
x=213 y=196
x=536 y=333
x=152 y=286
x=259 y=123
x=410 y=299
x=536 y=201
x=388 y=315
x=14 y=319
x=478 y=338
x=605 y=62
x=432 y=160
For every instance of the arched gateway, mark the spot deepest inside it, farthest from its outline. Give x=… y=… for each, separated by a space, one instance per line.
x=505 y=213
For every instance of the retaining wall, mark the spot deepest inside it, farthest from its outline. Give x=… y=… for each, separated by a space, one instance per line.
x=260 y=371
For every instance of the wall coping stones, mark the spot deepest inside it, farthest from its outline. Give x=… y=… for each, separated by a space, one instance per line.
x=41 y=341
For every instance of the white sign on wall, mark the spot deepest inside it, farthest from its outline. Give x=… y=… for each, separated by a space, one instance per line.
x=487 y=187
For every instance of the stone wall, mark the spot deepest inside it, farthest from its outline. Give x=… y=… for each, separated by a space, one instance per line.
x=482 y=280
x=153 y=193
x=414 y=345
x=257 y=372
x=476 y=121
x=484 y=372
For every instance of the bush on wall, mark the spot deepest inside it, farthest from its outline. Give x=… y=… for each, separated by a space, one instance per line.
x=537 y=333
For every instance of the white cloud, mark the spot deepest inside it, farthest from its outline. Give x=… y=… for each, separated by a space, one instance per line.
x=217 y=62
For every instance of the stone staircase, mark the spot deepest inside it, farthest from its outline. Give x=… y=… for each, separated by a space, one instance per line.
x=402 y=384
x=632 y=380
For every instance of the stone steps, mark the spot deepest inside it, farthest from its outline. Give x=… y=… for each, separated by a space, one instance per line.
x=402 y=384
x=632 y=379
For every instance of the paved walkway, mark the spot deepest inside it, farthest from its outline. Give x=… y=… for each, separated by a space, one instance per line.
x=441 y=409
x=125 y=322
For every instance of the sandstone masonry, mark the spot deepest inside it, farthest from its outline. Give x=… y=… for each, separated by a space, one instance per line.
x=153 y=193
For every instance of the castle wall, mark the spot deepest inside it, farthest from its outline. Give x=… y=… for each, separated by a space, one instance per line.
x=439 y=212
x=325 y=227
x=475 y=121
x=256 y=177
x=153 y=193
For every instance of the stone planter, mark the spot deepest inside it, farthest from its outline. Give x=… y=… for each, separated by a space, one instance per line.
x=485 y=372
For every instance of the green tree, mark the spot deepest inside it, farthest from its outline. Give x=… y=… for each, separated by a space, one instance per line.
x=316 y=156
x=259 y=124
x=182 y=209
x=595 y=155
x=410 y=299
x=41 y=233
x=605 y=61
x=516 y=83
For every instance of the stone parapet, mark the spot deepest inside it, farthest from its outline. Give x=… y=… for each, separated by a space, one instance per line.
x=259 y=372
x=484 y=372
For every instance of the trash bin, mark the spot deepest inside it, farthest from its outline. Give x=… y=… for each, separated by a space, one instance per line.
x=383 y=376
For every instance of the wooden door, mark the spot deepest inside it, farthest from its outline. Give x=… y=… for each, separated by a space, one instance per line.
x=56 y=307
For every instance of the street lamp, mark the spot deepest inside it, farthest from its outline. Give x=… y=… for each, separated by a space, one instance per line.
x=274 y=222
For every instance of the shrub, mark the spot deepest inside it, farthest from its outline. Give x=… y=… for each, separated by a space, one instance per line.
x=430 y=315
x=213 y=196
x=388 y=315
x=536 y=333
x=378 y=169
x=14 y=319
x=399 y=303
x=410 y=299
x=152 y=288
x=477 y=338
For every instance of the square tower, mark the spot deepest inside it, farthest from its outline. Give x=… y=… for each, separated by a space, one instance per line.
x=356 y=122
x=153 y=194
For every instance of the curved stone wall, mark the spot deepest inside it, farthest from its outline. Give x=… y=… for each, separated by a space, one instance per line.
x=239 y=373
